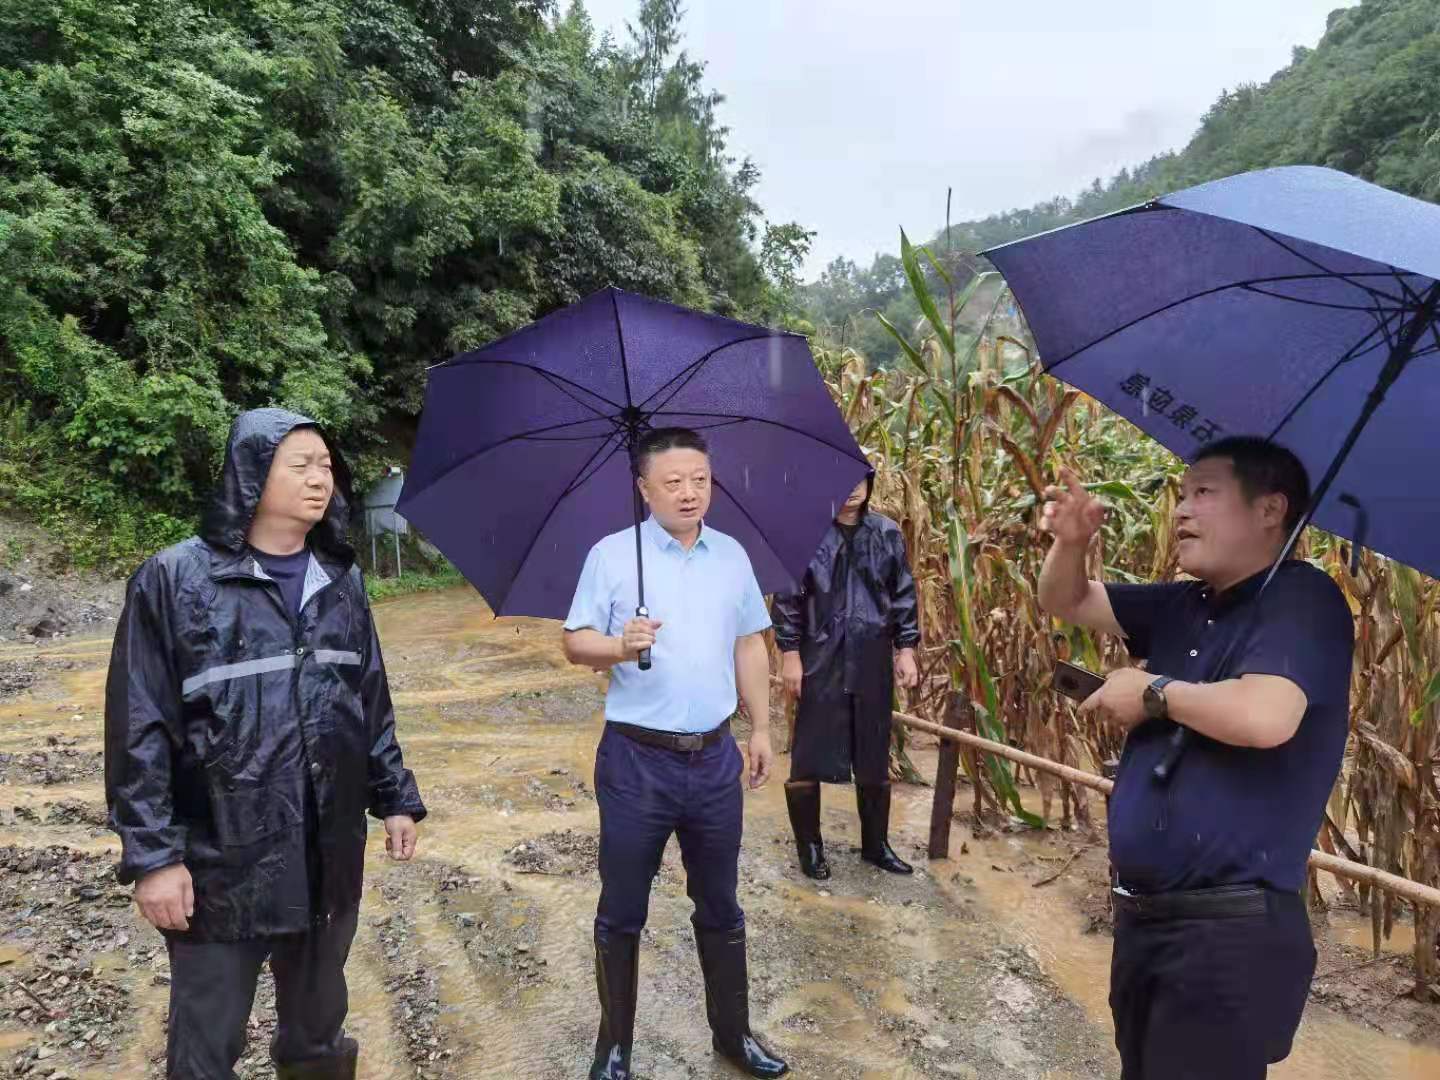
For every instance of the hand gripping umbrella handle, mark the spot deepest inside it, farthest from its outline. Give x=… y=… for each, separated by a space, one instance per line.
x=644 y=661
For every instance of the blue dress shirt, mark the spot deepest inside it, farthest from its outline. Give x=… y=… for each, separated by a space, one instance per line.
x=706 y=598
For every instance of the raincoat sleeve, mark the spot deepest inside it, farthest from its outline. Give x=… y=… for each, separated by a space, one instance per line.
x=787 y=612
x=904 y=608
x=143 y=730
x=392 y=786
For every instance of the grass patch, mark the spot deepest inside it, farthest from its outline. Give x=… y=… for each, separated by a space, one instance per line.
x=388 y=588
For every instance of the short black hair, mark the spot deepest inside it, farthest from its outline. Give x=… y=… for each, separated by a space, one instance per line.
x=658 y=440
x=1265 y=468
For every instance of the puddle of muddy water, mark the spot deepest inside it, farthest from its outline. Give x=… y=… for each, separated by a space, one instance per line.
x=14 y=1040
x=1051 y=926
x=1353 y=929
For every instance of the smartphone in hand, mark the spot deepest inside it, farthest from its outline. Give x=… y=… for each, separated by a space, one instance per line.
x=1075 y=682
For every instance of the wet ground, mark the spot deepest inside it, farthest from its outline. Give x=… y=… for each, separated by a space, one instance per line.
x=475 y=961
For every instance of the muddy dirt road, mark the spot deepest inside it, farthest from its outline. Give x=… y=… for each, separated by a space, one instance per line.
x=475 y=960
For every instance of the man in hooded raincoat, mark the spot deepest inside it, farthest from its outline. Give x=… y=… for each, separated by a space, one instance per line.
x=248 y=729
x=845 y=637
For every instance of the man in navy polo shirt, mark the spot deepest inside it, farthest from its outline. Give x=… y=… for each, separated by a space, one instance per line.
x=1213 y=952
x=667 y=762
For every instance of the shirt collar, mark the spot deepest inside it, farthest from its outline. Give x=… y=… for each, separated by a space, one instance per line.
x=1237 y=594
x=665 y=542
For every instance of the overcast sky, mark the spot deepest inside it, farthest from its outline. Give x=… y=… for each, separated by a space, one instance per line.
x=861 y=114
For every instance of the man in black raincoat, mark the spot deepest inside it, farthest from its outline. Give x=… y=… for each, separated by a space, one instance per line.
x=248 y=729
x=845 y=637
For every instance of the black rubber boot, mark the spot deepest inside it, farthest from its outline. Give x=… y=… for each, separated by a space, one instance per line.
x=727 y=1003
x=873 y=801
x=803 y=799
x=617 y=979
x=339 y=1067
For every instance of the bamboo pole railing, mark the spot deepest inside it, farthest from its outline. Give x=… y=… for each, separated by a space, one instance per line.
x=1413 y=891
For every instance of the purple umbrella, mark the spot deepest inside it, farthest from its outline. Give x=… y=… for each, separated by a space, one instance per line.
x=523 y=456
x=1299 y=304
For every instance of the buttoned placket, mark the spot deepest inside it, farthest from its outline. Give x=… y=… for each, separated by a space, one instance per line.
x=1209 y=622
x=684 y=590
x=674 y=549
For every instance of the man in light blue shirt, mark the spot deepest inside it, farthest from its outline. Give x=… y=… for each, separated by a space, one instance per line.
x=667 y=762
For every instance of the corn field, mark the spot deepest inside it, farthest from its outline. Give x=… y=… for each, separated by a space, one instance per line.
x=964 y=438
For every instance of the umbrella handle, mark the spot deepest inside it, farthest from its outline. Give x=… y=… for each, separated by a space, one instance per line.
x=644 y=660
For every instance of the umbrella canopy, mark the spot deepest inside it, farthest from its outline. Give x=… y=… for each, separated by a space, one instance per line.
x=1296 y=303
x=523 y=456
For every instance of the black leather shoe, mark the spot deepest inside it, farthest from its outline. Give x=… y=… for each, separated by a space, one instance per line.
x=727 y=1003
x=617 y=980
x=803 y=800
x=873 y=802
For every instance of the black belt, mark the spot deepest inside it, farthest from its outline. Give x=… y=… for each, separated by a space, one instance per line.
x=1221 y=902
x=674 y=740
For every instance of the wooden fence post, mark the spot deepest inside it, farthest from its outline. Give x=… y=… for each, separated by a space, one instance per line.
x=942 y=810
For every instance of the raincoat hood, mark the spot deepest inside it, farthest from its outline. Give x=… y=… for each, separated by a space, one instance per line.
x=869 y=493
x=254 y=438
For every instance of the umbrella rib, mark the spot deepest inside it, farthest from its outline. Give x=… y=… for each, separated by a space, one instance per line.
x=688 y=373
x=620 y=338
x=1332 y=273
x=519 y=437
x=581 y=481
x=568 y=393
x=571 y=438
x=530 y=547
x=1308 y=303
x=773 y=423
x=1384 y=326
x=1050 y=368
x=715 y=427
x=555 y=379
x=1415 y=298
x=1360 y=348
x=753 y=523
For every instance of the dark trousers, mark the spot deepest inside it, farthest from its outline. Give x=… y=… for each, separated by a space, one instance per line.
x=645 y=794
x=1212 y=998
x=212 y=988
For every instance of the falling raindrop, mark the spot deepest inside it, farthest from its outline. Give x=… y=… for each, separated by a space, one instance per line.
x=747 y=477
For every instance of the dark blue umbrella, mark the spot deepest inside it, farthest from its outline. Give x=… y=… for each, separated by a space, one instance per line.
x=1299 y=304
x=523 y=461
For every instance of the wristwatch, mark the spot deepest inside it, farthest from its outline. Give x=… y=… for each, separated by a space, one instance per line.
x=1156 y=708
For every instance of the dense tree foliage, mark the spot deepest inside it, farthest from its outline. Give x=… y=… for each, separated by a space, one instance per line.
x=212 y=206
x=1366 y=100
